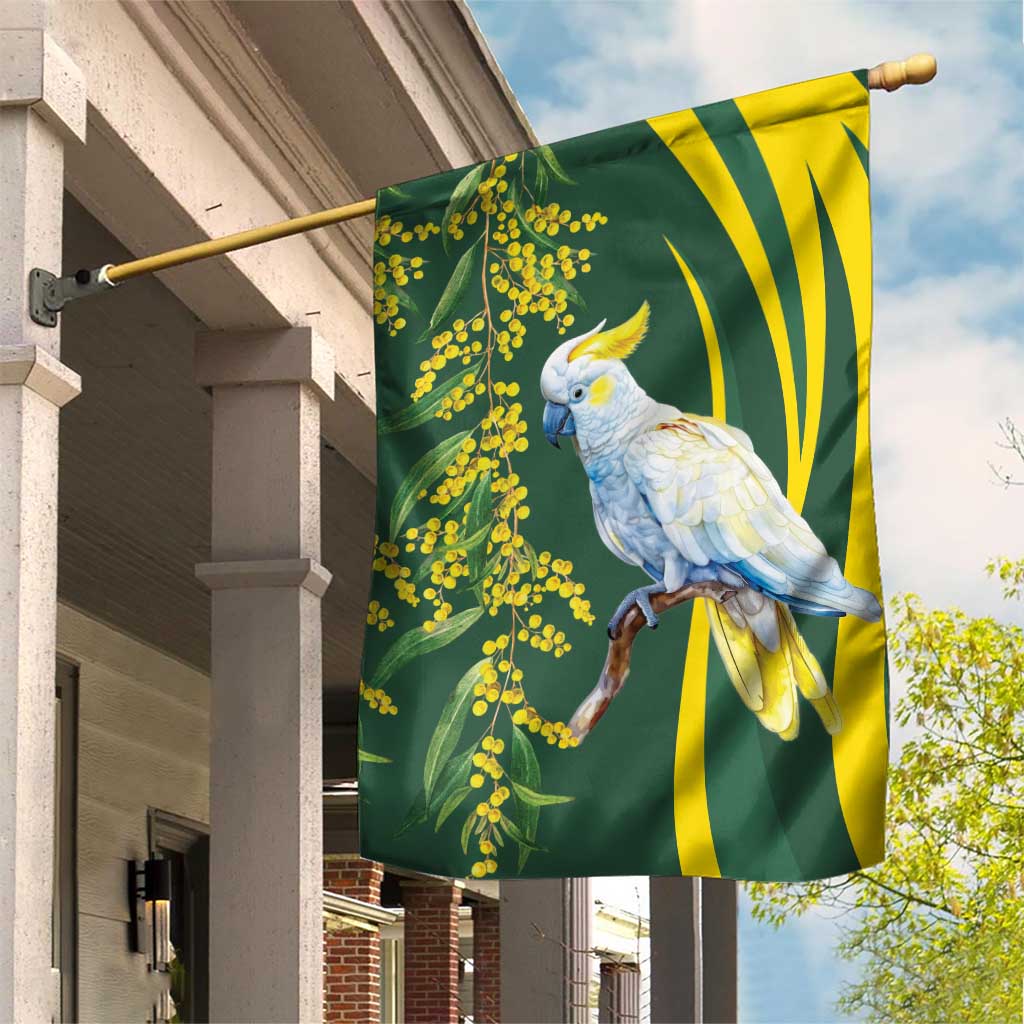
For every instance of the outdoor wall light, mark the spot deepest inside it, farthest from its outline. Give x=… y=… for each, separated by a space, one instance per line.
x=150 y=893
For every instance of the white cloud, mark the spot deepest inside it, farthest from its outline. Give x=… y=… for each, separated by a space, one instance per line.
x=941 y=381
x=957 y=141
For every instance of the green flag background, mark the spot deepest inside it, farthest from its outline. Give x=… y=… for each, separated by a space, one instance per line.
x=745 y=225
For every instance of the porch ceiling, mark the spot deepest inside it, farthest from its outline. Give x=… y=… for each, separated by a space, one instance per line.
x=135 y=476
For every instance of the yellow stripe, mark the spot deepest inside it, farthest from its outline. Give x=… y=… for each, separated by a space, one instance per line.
x=785 y=154
x=694 y=841
x=710 y=337
x=684 y=135
x=861 y=750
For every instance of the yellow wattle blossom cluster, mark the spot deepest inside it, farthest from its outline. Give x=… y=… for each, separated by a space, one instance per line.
x=518 y=591
x=386 y=230
x=377 y=699
x=396 y=269
x=385 y=560
x=460 y=473
x=488 y=813
x=378 y=616
x=450 y=345
x=551 y=218
x=553 y=732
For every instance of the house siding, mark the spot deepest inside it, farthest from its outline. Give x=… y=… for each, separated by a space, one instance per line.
x=143 y=743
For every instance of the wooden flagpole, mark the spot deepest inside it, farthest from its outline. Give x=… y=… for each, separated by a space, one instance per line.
x=891 y=75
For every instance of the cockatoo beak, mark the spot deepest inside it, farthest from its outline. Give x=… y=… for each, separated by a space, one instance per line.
x=557 y=422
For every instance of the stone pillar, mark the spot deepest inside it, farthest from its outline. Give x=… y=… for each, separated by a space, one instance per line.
x=432 y=952
x=266 y=843
x=545 y=936
x=619 y=999
x=42 y=106
x=487 y=963
x=352 y=956
x=693 y=951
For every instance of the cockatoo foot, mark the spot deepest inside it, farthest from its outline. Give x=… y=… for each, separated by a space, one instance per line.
x=641 y=597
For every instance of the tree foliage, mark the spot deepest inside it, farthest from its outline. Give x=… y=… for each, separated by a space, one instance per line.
x=939 y=926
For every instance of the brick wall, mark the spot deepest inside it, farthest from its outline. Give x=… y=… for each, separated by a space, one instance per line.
x=431 y=952
x=352 y=956
x=486 y=964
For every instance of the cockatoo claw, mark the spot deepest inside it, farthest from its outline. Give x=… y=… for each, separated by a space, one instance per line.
x=641 y=597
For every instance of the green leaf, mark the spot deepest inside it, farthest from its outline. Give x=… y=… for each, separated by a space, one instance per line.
x=451 y=805
x=541 y=186
x=462 y=196
x=478 y=518
x=517 y=836
x=454 y=289
x=546 y=154
x=534 y=799
x=497 y=837
x=395 y=192
x=477 y=582
x=405 y=300
x=419 y=412
x=416 y=815
x=452 y=776
x=449 y=726
x=467 y=830
x=417 y=641
x=472 y=542
x=531 y=556
x=524 y=768
x=365 y=755
x=422 y=475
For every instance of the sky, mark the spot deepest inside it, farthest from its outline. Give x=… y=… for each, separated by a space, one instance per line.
x=947 y=164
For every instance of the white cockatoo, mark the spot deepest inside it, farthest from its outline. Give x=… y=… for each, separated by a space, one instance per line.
x=686 y=499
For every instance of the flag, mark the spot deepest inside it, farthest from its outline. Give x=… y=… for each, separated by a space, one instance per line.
x=682 y=308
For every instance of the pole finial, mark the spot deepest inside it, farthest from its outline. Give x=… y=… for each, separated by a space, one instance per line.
x=893 y=74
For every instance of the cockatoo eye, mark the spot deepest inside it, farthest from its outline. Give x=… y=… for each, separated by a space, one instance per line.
x=577 y=393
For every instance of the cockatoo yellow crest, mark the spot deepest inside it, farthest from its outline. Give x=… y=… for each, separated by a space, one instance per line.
x=619 y=342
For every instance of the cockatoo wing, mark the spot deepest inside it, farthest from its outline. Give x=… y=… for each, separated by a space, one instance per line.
x=611 y=540
x=719 y=504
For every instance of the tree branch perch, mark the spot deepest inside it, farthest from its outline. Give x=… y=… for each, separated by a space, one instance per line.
x=620 y=649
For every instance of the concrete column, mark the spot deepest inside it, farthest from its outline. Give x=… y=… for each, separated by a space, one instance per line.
x=675 y=947
x=487 y=963
x=42 y=105
x=266 y=836
x=545 y=936
x=432 y=952
x=618 y=1001
x=693 y=951
x=718 y=963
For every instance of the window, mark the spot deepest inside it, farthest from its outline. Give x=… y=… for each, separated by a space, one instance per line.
x=186 y=844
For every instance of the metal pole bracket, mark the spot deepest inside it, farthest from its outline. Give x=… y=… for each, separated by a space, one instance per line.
x=48 y=294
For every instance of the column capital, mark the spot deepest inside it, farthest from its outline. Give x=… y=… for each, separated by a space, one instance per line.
x=35 y=72
x=286 y=355
x=39 y=371
x=306 y=573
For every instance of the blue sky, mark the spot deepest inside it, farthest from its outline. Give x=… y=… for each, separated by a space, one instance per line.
x=947 y=166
